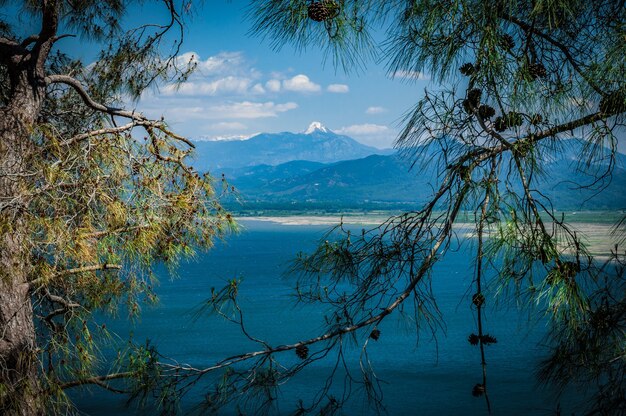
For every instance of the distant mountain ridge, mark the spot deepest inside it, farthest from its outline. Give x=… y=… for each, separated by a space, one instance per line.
x=319 y=168
x=316 y=144
x=387 y=180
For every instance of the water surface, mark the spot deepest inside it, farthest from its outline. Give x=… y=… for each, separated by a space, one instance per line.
x=434 y=376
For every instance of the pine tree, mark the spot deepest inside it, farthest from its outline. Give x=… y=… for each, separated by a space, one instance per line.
x=87 y=205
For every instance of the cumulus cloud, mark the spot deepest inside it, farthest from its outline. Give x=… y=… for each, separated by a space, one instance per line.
x=222 y=63
x=258 y=89
x=248 y=109
x=370 y=134
x=227 y=85
x=338 y=88
x=375 y=110
x=300 y=83
x=193 y=110
x=273 y=85
x=227 y=74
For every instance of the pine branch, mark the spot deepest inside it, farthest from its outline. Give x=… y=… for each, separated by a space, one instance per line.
x=138 y=118
x=96 y=267
x=77 y=86
x=104 y=266
x=110 y=130
x=568 y=56
x=416 y=277
x=98 y=380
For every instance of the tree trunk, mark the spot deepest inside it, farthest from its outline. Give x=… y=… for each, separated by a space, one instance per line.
x=20 y=392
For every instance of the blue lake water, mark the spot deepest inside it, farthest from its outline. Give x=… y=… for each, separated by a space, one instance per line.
x=429 y=377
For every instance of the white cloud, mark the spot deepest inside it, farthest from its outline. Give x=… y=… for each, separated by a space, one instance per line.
x=248 y=109
x=338 y=88
x=375 y=110
x=300 y=83
x=414 y=75
x=363 y=129
x=227 y=73
x=370 y=134
x=273 y=85
x=223 y=62
x=227 y=85
x=184 y=111
x=258 y=89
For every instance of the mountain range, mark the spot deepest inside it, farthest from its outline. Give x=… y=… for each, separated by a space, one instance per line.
x=323 y=170
x=315 y=144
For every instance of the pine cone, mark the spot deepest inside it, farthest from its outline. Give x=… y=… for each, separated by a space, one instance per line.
x=569 y=269
x=500 y=124
x=467 y=69
x=478 y=390
x=537 y=71
x=375 y=334
x=467 y=106
x=321 y=11
x=488 y=339
x=478 y=299
x=302 y=351
x=486 y=111
x=473 y=96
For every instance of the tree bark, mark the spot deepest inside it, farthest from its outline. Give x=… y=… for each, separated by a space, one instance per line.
x=19 y=364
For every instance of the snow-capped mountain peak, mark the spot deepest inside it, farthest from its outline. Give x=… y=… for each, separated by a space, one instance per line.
x=316 y=126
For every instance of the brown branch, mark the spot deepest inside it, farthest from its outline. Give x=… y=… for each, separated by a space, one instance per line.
x=58 y=299
x=426 y=265
x=480 y=155
x=574 y=124
x=7 y=44
x=49 y=20
x=45 y=39
x=533 y=29
x=104 y=266
x=102 y=233
x=27 y=41
x=110 y=130
x=98 y=380
x=9 y=49
x=77 y=86
x=84 y=269
x=138 y=118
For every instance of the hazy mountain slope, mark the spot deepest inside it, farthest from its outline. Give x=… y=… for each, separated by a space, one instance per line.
x=317 y=144
x=389 y=179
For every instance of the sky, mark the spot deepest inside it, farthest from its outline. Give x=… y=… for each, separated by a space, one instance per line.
x=242 y=86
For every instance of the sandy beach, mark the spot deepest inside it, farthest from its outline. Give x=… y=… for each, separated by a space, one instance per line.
x=595 y=227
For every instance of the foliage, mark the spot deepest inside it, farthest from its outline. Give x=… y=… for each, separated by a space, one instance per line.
x=518 y=77
x=103 y=195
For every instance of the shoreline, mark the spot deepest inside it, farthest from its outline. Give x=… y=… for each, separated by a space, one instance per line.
x=595 y=226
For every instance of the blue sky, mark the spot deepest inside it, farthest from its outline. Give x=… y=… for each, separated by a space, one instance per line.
x=242 y=86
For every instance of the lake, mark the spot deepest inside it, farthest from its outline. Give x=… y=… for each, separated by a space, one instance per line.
x=434 y=376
